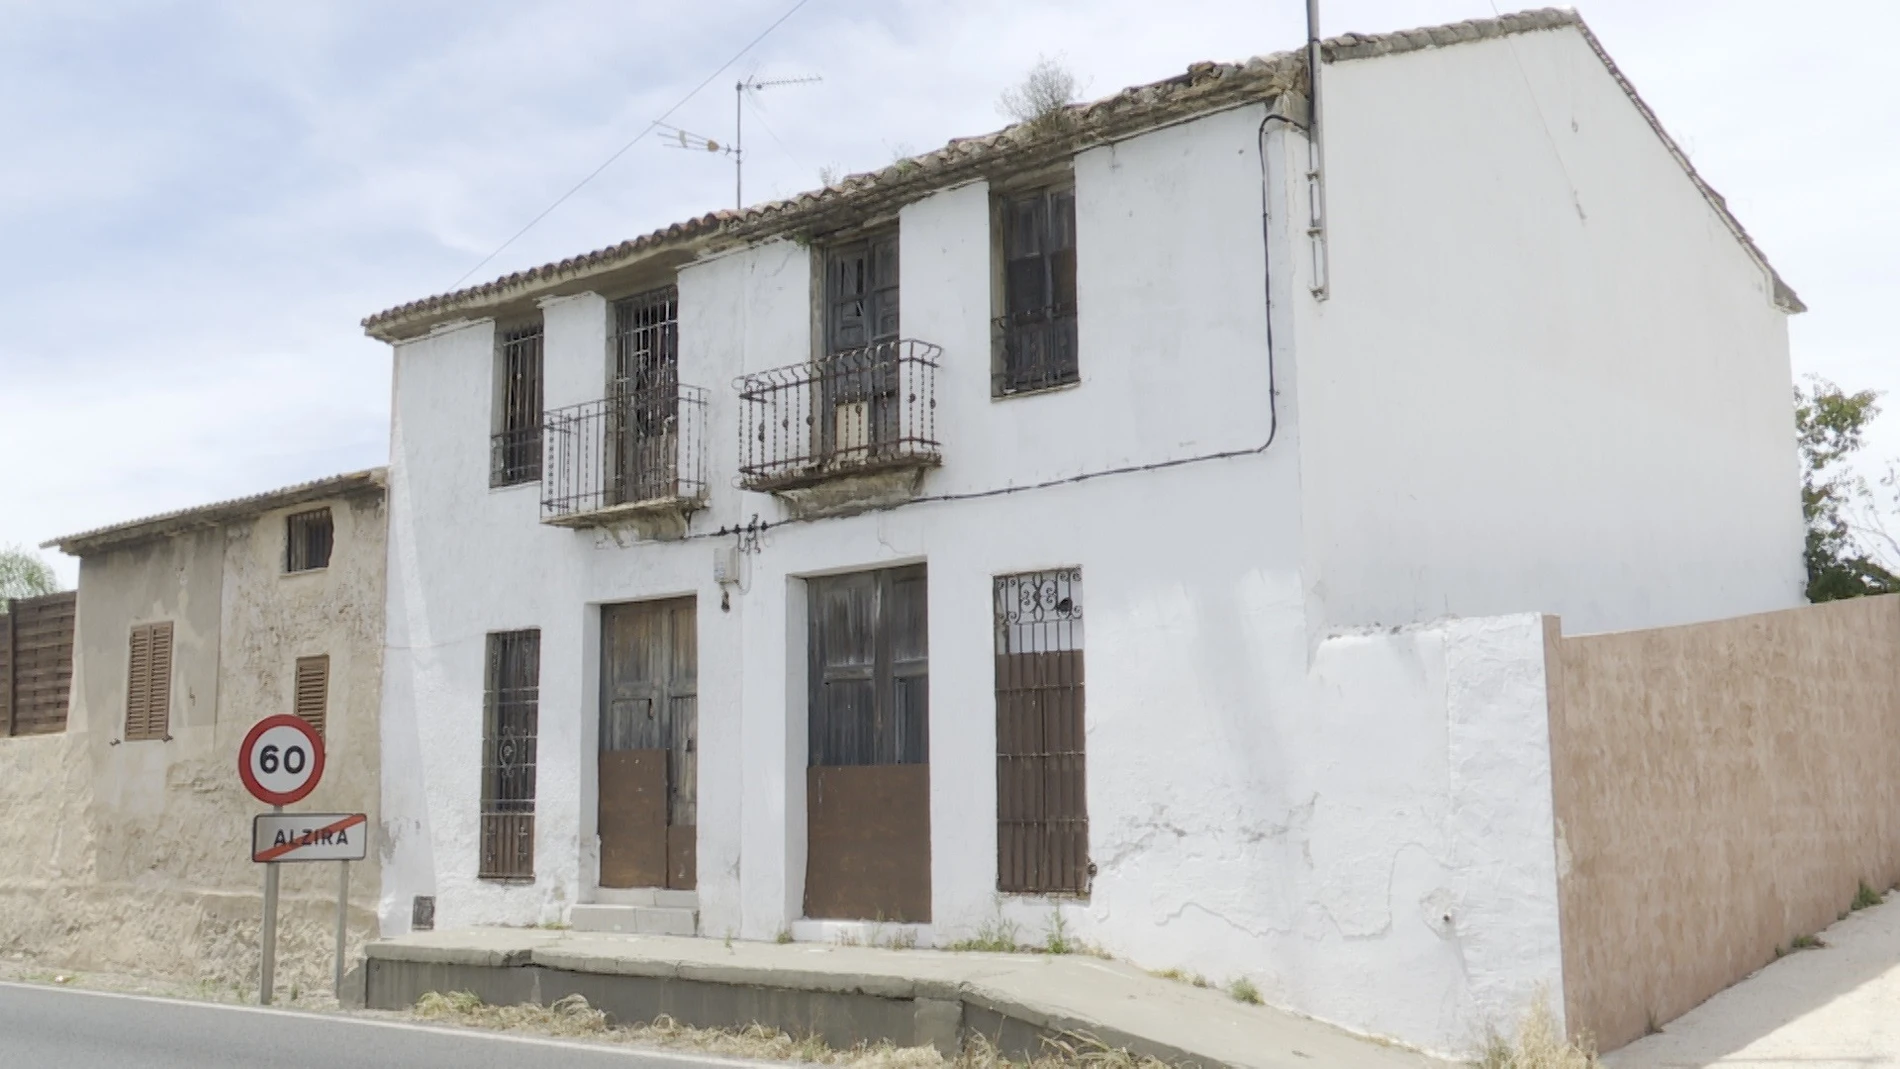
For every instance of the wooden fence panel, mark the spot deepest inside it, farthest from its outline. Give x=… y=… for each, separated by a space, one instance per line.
x=36 y=663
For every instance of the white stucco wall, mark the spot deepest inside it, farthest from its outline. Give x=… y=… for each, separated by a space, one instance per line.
x=1548 y=376
x=1357 y=820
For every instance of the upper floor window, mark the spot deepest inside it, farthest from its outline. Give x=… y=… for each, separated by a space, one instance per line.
x=148 y=693
x=861 y=293
x=515 y=453
x=1035 y=335
x=308 y=537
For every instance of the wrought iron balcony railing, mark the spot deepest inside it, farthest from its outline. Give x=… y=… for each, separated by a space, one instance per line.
x=855 y=412
x=633 y=449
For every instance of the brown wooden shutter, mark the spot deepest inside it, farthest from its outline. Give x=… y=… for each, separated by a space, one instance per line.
x=313 y=690
x=148 y=696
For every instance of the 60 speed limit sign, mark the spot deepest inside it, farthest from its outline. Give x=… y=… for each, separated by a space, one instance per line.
x=281 y=759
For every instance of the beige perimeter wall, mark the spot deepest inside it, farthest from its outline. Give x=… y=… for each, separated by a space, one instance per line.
x=1720 y=789
x=133 y=856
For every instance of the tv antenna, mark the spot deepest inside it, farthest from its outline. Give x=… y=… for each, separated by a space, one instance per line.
x=739 y=90
x=686 y=139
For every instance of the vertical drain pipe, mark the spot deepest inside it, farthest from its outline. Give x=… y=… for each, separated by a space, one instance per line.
x=1315 y=159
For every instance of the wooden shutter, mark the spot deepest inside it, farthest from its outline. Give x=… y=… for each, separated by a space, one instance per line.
x=313 y=691
x=148 y=696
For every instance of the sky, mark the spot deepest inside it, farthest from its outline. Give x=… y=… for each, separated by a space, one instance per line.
x=200 y=201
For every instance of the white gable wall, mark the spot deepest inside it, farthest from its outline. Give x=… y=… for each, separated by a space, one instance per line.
x=1548 y=378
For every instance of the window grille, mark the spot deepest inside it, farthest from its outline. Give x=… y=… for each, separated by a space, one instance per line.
x=515 y=454
x=312 y=701
x=308 y=538
x=1035 y=338
x=508 y=752
x=148 y=699
x=1042 y=827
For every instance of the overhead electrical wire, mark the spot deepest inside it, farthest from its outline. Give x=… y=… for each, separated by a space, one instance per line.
x=622 y=150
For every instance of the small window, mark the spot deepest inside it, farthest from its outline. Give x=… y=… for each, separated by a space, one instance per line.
x=309 y=536
x=313 y=691
x=515 y=453
x=1042 y=815
x=512 y=710
x=148 y=699
x=1035 y=338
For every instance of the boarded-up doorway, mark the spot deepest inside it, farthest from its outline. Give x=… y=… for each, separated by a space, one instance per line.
x=868 y=784
x=649 y=742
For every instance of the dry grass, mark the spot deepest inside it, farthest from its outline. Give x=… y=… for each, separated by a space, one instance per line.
x=1539 y=1044
x=573 y=1018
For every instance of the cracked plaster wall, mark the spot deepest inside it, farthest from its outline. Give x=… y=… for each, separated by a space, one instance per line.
x=1304 y=818
x=135 y=856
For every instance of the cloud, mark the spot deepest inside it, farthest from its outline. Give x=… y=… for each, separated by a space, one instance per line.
x=200 y=201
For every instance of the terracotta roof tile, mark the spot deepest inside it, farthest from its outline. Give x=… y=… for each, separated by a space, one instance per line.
x=1201 y=88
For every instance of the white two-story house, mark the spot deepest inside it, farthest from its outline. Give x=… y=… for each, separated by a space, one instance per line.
x=950 y=547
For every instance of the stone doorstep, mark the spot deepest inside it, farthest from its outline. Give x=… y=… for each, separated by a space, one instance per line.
x=634 y=920
x=1114 y=1002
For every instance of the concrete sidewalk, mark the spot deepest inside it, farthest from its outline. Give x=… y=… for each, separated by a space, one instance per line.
x=1836 y=1007
x=907 y=996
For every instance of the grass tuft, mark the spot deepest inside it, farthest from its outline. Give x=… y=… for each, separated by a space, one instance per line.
x=996 y=936
x=1539 y=1044
x=1806 y=942
x=1866 y=897
x=1243 y=990
x=573 y=1017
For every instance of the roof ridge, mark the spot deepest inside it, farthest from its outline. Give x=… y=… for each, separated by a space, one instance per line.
x=1202 y=87
x=217 y=511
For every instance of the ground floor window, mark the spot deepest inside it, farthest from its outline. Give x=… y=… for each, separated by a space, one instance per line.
x=511 y=711
x=1042 y=821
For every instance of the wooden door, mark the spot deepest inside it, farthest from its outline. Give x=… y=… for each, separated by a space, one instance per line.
x=868 y=784
x=858 y=388
x=649 y=743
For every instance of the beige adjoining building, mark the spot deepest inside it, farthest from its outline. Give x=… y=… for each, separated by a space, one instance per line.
x=124 y=839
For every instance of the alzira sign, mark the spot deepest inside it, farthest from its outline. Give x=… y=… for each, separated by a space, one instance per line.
x=310 y=837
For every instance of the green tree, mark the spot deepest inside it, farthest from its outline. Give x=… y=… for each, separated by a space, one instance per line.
x=1830 y=425
x=24 y=575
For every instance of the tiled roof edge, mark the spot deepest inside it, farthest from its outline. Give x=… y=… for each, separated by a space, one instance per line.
x=1204 y=87
x=218 y=512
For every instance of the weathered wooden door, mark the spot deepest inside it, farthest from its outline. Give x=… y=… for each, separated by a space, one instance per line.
x=649 y=735
x=868 y=784
x=858 y=406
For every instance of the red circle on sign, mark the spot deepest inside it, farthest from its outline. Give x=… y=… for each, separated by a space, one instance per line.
x=255 y=736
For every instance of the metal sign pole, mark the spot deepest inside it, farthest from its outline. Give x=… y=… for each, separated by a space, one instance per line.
x=266 y=982
x=342 y=920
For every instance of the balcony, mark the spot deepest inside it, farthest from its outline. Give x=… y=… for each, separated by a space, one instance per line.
x=866 y=416
x=635 y=455
x=1036 y=350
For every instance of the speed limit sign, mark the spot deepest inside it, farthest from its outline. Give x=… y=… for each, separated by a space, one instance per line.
x=281 y=759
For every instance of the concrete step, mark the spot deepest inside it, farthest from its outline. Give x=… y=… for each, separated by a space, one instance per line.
x=634 y=920
x=645 y=896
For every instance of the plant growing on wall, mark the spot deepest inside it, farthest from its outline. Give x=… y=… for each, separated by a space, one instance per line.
x=24 y=575
x=1830 y=426
x=1043 y=96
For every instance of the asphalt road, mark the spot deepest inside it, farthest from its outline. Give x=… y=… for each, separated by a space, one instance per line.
x=42 y=1026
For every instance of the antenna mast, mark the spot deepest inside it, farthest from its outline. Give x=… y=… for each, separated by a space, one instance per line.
x=738 y=126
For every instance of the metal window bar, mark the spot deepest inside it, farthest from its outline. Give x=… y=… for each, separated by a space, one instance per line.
x=510 y=722
x=1038 y=350
x=1035 y=338
x=308 y=539
x=631 y=447
x=1042 y=828
x=515 y=449
x=860 y=410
